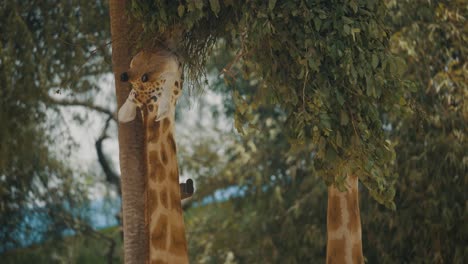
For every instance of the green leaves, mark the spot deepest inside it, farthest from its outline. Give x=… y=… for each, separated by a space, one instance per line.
x=199 y=4
x=214 y=4
x=396 y=66
x=339 y=139
x=343 y=118
x=271 y=4
x=375 y=60
x=320 y=64
x=354 y=5
x=181 y=10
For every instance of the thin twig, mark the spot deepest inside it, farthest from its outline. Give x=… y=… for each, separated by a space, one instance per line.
x=352 y=122
x=228 y=67
x=239 y=55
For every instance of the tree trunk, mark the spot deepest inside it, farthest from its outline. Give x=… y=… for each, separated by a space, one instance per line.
x=131 y=143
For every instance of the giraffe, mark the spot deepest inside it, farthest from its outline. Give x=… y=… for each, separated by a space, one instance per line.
x=344 y=241
x=155 y=77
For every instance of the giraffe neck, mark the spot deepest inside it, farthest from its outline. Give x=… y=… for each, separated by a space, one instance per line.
x=163 y=214
x=344 y=244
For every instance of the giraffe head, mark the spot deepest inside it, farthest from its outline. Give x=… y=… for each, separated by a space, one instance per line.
x=155 y=78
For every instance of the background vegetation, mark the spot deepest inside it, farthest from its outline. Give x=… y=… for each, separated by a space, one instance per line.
x=45 y=54
x=276 y=211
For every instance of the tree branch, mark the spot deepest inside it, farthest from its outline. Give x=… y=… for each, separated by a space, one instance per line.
x=111 y=176
x=89 y=105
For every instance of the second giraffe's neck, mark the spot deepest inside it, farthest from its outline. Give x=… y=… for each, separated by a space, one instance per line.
x=344 y=243
x=164 y=219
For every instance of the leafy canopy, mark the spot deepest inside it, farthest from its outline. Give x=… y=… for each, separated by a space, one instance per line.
x=326 y=64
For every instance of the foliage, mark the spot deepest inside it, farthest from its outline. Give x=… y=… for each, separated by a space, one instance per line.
x=74 y=249
x=281 y=202
x=325 y=63
x=44 y=49
x=430 y=225
x=267 y=219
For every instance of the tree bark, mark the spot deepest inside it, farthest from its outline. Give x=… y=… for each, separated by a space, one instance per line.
x=131 y=143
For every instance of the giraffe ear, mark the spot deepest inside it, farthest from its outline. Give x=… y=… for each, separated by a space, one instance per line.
x=127 y=112
x=165 y=106
x=186 y=189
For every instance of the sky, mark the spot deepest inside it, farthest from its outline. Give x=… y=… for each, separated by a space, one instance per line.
x=193 y=121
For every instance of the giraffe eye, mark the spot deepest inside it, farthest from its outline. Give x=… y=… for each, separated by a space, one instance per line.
x=144 y=78
x=124 y=77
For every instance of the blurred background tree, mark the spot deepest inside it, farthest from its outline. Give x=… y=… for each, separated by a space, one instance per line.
x=51 y=55
x=430 y=224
